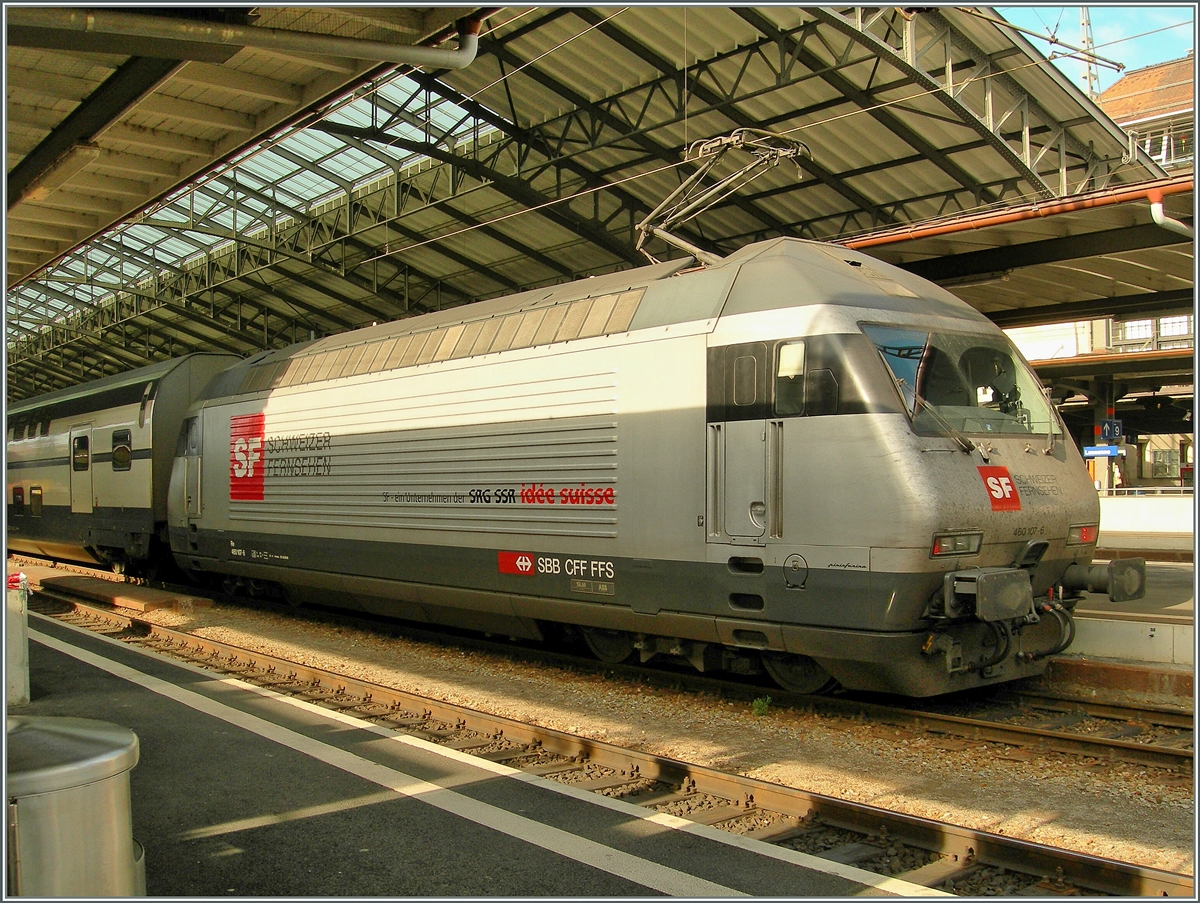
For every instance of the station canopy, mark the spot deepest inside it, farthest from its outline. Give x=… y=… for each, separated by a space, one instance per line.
x=243 y=181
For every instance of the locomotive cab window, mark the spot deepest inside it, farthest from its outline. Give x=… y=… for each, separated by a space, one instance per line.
x=122 y=450
x=789 y=380
x=805 y=382
x=971 y=383
x=80 y=454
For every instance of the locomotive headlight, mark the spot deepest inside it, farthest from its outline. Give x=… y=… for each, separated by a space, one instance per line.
x=946 y=544
x=1082 y=534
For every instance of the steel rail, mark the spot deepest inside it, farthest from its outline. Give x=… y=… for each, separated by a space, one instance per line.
x=1016 y=735
x=1062 y=870
x=1164 y=716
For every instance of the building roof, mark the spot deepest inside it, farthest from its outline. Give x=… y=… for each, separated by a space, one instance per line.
x=1156 y=92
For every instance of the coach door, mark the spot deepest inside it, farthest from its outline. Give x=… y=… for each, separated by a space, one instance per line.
x=81 y=470
x=738 y=395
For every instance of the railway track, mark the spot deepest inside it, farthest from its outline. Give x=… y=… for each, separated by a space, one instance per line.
x=1030 y=723
x=920 y=851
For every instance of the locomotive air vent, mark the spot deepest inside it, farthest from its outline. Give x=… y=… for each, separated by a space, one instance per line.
x=746 y=601
x=739 y=565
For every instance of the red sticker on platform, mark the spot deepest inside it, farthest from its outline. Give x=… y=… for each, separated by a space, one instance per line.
x=516 y=563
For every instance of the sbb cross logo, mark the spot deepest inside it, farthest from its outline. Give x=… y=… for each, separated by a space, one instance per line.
x=246 y=435
x=1002 y=492
x=515 y=563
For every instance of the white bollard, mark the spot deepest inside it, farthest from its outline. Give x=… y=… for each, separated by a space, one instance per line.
x=17 y=646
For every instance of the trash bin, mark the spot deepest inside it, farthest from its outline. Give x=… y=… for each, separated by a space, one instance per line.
x=70 y=827
x=16 y=648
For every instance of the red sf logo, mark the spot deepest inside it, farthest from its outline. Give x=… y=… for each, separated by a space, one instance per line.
x=246 y=436
x=515 y=563
x=1002 y=492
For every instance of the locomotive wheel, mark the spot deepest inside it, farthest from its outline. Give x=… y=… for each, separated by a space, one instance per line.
x=610 y=646
x=797 y=673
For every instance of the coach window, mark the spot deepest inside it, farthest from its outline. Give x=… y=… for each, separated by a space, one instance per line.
x=789 y=380
x=45 y=430
x=80 y=454
x=35 y=501
x=122 y=454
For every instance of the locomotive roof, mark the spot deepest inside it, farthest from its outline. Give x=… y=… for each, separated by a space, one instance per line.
x=656 y=295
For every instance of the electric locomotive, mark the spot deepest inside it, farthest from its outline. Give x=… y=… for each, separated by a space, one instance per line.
x=796 y=459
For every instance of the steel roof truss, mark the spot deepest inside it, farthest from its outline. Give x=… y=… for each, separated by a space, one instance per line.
x=927 y=33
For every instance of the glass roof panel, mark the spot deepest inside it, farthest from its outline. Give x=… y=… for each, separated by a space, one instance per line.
x=266 y=183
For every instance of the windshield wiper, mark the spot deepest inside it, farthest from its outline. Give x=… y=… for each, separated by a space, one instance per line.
x=957 y=435
x=1049 y=449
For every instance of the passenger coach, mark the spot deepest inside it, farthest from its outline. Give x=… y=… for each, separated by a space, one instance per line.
x=88 y=466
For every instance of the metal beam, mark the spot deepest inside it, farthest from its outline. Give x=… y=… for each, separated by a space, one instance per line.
x=1180 y=300
x=1047 y=250
x=114 y=96
x=517 y=189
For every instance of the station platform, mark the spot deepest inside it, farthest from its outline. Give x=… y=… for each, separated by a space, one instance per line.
x=242 y=792
x=1158 y=629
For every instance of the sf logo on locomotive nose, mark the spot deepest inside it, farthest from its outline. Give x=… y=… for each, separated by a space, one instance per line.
x=1001 y=490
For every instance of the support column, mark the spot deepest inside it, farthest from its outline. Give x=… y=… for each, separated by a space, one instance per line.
x=1103 y=408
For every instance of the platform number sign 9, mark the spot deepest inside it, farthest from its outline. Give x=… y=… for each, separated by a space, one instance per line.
x=1001 y=490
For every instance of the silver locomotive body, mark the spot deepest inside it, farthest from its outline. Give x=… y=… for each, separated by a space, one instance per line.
x=800 y=457
x=88 y=466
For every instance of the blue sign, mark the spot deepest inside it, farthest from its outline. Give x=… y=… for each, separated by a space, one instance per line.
x=1101 y=451
x=1110 y=430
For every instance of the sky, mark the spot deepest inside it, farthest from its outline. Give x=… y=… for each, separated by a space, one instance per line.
x=1137 y=36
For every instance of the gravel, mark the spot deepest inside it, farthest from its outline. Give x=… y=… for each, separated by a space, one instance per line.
x=1125 y=812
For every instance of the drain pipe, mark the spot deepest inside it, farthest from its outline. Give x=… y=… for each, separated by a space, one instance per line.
x=104 y=21
x=1161 y=218
x=1040 y=210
